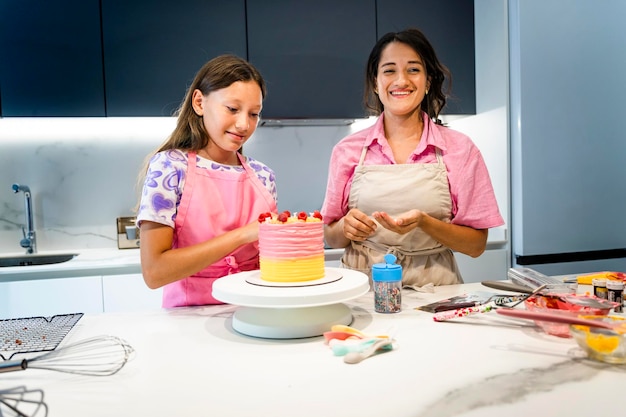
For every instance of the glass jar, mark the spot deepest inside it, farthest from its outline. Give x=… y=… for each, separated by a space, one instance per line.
x=615 y=292
x=387 y=282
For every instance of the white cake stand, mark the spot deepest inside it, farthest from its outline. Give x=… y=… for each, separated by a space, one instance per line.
x=278 y=311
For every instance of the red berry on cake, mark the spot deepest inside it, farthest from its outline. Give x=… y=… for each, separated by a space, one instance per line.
x=264 y=216
x=302 y=216
x=317 y=214
x=282 y=217
x=287 y=212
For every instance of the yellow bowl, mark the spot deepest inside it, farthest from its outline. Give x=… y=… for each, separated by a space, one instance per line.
x=601 y=344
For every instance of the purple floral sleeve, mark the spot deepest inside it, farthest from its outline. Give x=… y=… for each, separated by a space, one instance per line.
x=165 y=181
x=163 y=187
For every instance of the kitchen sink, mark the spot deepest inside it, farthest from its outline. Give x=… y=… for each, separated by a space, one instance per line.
x=36 y=259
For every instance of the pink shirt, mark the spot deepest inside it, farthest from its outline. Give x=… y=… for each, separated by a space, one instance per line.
x=473 y=200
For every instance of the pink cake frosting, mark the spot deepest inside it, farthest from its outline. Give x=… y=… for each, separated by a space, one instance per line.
x=291 y=251
x=291 y=240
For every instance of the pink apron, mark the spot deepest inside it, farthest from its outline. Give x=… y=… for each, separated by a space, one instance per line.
x=213 y=203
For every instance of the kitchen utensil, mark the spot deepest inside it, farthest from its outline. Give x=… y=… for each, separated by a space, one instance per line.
x=587 y=279
x=462 y=312
x=343 y=347
x=96 y=356
x=507 y=286
x=616 y=326
x=533 y=279
x=355 y=332
x=334 y=335
x=21 y=402
x=571 y=305
x=34 y=334
x=356 y=357
x=492 y=303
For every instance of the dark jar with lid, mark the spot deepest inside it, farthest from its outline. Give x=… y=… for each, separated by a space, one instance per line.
x=599 y=288
x=615 y=292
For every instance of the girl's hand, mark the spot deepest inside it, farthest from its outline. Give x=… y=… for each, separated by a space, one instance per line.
x=251 y=232
x=357 y=225
x=402 y=223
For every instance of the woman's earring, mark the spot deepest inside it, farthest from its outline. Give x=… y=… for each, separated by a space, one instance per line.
x=426 y=91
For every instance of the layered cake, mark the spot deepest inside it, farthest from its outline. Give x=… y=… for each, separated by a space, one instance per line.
x=291 y=247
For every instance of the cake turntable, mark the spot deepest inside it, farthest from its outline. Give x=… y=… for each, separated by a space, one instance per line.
x=274 y=310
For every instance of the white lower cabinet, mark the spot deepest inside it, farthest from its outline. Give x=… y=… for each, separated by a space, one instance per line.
x=49 y=297
x=129 y=293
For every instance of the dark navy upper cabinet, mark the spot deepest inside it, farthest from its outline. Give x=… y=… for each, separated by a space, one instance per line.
x=153 y=49
x=138 y=57
x=449 y=26
x=51 y=58
x=312 y=55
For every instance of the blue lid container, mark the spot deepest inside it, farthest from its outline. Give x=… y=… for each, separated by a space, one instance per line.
x=388 y=271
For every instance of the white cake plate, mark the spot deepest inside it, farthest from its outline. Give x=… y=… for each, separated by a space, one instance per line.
x=279 y=312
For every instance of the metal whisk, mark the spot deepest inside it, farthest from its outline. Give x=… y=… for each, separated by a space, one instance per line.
x=21 y=402
x=96 y=356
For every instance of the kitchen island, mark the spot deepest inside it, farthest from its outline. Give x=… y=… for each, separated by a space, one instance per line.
x=190 y=362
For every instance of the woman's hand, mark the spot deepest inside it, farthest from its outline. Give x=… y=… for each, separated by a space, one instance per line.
x=464 y=239
x=357 y=225
x=400 y=224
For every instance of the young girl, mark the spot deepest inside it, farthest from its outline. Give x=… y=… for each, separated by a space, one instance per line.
x=201 y=197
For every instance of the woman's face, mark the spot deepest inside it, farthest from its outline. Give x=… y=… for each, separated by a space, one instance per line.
x=401 y=82
x=230 y=116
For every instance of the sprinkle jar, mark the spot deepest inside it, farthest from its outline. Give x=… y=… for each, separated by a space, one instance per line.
x=387 y=281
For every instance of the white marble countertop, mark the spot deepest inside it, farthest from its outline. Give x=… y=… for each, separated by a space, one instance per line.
x=105 y=261
x=189 y=361
x=88 y=262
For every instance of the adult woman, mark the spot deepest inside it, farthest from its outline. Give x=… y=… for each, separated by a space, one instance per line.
x=201 y=198
x=408 y=185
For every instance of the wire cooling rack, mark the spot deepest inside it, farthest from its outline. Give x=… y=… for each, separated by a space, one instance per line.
x=34 y=334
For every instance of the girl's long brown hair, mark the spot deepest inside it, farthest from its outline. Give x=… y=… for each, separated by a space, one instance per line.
x=190 y=133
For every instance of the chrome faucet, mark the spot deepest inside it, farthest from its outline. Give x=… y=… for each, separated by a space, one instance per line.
x=29 y=241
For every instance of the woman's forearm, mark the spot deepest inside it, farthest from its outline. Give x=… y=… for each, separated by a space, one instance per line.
x=464 y=239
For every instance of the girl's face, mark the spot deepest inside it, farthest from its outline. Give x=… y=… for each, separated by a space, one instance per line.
x=230 y=116
x=401 y=82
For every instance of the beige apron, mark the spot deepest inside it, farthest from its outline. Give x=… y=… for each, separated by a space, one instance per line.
x=396 y=189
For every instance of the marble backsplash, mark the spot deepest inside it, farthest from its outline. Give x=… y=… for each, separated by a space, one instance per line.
x=83 y=172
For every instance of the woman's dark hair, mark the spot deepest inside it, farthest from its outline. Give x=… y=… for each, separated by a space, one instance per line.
x=436 y=72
